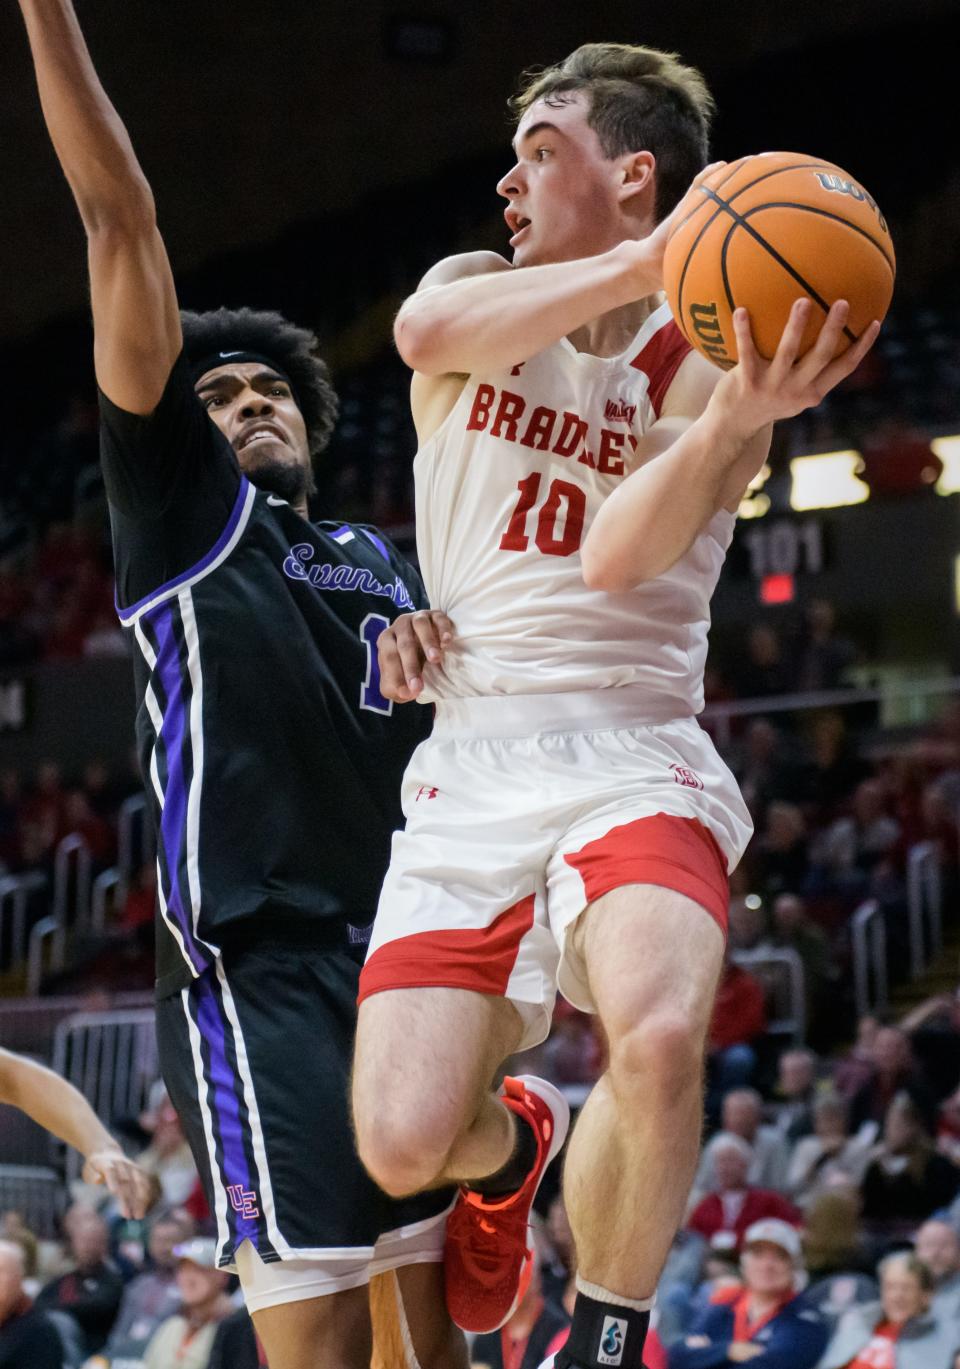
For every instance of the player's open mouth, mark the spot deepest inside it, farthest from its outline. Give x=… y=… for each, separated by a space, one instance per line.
x=259 y=434
x=521 y=225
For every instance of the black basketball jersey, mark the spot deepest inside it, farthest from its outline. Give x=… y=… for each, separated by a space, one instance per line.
x=271 y=759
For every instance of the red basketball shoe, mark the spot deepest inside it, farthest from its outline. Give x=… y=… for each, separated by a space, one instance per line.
x=487 y=1263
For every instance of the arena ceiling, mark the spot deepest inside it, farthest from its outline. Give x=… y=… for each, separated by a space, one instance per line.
x=251 y=116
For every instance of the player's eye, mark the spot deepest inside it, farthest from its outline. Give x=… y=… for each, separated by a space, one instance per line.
x=541 y=153
x=280 y=390
x=212 y=400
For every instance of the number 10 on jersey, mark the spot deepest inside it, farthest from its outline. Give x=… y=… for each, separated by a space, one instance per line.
x=562 y=497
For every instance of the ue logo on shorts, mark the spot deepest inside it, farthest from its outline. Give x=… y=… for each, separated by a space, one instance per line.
x=427 y=791
x=243 y=1200
x=684 y=775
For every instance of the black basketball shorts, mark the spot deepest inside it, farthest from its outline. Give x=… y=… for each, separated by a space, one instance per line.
x=256 y=1056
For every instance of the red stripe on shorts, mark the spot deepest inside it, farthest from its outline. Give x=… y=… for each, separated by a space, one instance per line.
x=674 y=853
x=478 y=958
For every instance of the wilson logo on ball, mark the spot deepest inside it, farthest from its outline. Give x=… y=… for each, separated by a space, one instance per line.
x=706 y=325
x=856 y=192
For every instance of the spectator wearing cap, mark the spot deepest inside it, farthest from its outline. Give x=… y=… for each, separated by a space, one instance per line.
x=899 y=1331
x=937 y=1245
x=765 y=1320
x=723 y=1217
x=186 y=1340
x=27 y=1338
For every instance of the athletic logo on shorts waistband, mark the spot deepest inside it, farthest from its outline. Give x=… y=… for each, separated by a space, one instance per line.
x=684 y=775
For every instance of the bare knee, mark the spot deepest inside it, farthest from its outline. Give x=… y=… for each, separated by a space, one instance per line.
x=658 y=1059
x=404 y=1147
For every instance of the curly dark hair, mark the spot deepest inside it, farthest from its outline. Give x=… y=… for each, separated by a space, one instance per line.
x=639 y=98
x=293 y=349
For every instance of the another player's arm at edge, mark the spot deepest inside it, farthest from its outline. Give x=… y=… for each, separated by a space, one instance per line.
x=58 y=1107
x=136 y=320
x=712 y=438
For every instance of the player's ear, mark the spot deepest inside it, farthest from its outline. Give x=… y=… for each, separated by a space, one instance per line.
x=636 y=173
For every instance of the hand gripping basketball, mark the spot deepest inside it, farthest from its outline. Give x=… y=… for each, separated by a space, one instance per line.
x=758 y=392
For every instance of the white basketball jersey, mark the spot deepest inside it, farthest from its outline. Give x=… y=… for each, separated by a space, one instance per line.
x=506 y=490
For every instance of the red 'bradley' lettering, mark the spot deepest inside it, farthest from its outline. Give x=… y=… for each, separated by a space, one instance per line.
x=565 y=434
x=508 y=411
x=540 y=428
x=480 y=413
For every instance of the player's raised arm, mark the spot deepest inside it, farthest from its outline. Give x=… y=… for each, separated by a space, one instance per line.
x=58 y=1107
x=136 y=321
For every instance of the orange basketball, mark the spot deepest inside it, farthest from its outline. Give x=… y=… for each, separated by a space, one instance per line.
x=765 y=231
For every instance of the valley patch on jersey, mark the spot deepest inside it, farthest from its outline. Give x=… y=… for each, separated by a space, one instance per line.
x=272 y=762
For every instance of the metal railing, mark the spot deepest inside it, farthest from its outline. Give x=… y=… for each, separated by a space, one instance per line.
x=105 y=884
x=871 y=984
x=111 y=1057
x=29 y=1024
x=15 y=894
x=37 y=1193
x=782 y=974
x=924 y=905
x=72 y=872
x=719 y=715
x=135 y=836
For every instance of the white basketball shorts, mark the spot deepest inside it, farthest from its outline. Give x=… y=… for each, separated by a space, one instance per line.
x=520 y=811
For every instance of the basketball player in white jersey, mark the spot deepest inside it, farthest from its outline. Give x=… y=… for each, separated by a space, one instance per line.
x=577 y=479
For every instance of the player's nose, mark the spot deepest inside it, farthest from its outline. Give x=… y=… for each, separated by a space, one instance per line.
x=509 y=185
x=254 y=405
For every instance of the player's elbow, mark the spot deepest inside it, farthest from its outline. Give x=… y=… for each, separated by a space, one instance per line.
x=603 y=569
x=126 y=215
x=420 y=340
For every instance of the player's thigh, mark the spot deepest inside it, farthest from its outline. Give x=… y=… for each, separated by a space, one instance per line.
x=411 y=1324
x=334 y=1331
x=652 y=958
x=424 y=1058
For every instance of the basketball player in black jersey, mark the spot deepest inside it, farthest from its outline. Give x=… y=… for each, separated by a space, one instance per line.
x=270 y=756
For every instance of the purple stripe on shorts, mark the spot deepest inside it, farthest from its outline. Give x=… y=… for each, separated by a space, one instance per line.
x=228 y=1126
x=126 y=614
x=173 y=819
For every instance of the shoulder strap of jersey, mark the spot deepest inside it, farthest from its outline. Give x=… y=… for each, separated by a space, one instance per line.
x=660 y=356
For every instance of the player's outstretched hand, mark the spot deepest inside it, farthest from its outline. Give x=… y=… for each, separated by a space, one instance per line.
x=757 y=392
x=406 y=646
x=132 y=1187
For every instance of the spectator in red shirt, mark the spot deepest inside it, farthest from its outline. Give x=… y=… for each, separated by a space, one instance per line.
x=739 y=1017
x=723 y=1216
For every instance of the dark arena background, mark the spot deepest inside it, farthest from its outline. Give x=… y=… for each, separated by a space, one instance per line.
x=317 y=159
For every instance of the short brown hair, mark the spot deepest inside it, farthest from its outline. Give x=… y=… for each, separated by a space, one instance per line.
x=639 y=99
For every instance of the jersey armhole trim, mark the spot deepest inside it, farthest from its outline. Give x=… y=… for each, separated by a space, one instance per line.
x=218 y=553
